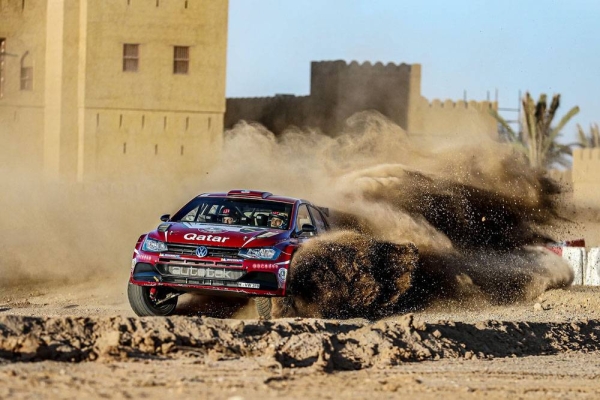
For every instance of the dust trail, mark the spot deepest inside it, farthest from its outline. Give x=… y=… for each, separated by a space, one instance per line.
x=473 y=209
x=55 y=235
x=470 y=206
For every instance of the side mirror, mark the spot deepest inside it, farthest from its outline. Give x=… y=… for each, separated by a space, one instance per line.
x=165 y=218
x=308 y=228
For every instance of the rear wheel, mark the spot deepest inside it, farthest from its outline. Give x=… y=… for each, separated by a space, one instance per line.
x=263 y=307
x=144 y=299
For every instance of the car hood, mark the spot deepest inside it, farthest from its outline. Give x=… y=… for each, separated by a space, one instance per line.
x=218 y=235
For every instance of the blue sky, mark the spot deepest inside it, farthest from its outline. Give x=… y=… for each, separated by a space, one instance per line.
x=479 y=46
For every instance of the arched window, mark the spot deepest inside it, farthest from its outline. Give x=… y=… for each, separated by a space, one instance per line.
x=26 y=72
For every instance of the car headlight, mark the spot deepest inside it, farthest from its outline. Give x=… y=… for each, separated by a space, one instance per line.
x=155 y=246
x=260 y=253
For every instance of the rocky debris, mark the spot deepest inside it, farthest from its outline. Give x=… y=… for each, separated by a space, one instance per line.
x=291 y=343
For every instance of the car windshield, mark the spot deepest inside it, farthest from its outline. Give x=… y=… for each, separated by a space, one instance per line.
x=243 y=212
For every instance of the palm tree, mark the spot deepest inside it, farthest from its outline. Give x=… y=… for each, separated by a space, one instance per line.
x=538 y=142
x=586 y=141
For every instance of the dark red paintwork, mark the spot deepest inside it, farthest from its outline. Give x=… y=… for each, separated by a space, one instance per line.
x=223 y=236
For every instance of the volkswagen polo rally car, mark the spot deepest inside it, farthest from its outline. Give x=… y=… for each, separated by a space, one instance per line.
x=236 y=243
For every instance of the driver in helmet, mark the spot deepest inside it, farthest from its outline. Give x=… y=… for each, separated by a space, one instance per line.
x=229 y=216
x=278 y=220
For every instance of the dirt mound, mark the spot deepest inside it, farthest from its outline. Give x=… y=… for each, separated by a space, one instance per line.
x=328 y=345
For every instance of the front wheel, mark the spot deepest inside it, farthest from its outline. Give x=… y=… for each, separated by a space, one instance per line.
x=144 y=299
x=263 y=307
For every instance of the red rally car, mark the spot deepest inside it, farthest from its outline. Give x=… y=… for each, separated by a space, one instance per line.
x=236 y=243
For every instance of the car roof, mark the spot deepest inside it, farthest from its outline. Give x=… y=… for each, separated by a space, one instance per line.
x=252 y=195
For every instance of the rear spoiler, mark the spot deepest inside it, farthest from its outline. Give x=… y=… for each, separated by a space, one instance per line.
x=324 y=210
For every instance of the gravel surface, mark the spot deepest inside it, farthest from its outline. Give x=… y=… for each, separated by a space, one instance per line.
x=85 y=342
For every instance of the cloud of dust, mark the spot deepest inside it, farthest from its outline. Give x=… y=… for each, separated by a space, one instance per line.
x=58 y=234
x=473 y=208
x=436 y=218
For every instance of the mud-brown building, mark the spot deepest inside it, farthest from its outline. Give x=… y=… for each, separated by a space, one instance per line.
x=94 y=90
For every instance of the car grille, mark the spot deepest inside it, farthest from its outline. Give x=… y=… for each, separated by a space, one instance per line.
x=192 y=272
x=190 y=250
x=264 y=280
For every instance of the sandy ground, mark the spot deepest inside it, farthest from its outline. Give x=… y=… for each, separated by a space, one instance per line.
x=85 y=342
x=559 y=376
x=108 y=299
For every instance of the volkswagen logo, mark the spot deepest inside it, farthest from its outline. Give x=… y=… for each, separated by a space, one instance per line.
x=201 y=251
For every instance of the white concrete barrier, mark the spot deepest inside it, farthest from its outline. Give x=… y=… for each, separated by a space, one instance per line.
x=592 y=270
x=576 y=258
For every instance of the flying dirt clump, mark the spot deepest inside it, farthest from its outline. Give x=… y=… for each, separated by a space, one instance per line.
x=468 y=215
x=347 y=274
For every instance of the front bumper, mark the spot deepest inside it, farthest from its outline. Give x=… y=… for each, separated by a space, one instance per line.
x=210 y=275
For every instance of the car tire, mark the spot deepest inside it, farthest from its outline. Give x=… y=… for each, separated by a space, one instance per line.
x=143 y=306
x=263 y=307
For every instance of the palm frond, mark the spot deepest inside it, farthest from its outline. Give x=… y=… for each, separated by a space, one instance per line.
x=540 y=113
x=538 y=139
x=512 y=135
x=529 y=109
x=563 y=121
x=582 y=137
x=551 y=112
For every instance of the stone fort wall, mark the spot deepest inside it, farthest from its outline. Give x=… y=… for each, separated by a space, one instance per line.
x=586 y=177
x=339 y=89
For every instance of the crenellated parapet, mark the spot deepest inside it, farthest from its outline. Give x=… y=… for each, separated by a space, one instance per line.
x=462 y=105
x=454 y=118
x=340 y=66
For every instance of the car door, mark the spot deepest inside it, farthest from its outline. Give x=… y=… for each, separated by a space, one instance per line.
x=319 y=221
x=303 y=217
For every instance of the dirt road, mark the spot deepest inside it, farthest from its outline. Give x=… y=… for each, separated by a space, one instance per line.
x=87 y=343
x=559 y=376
